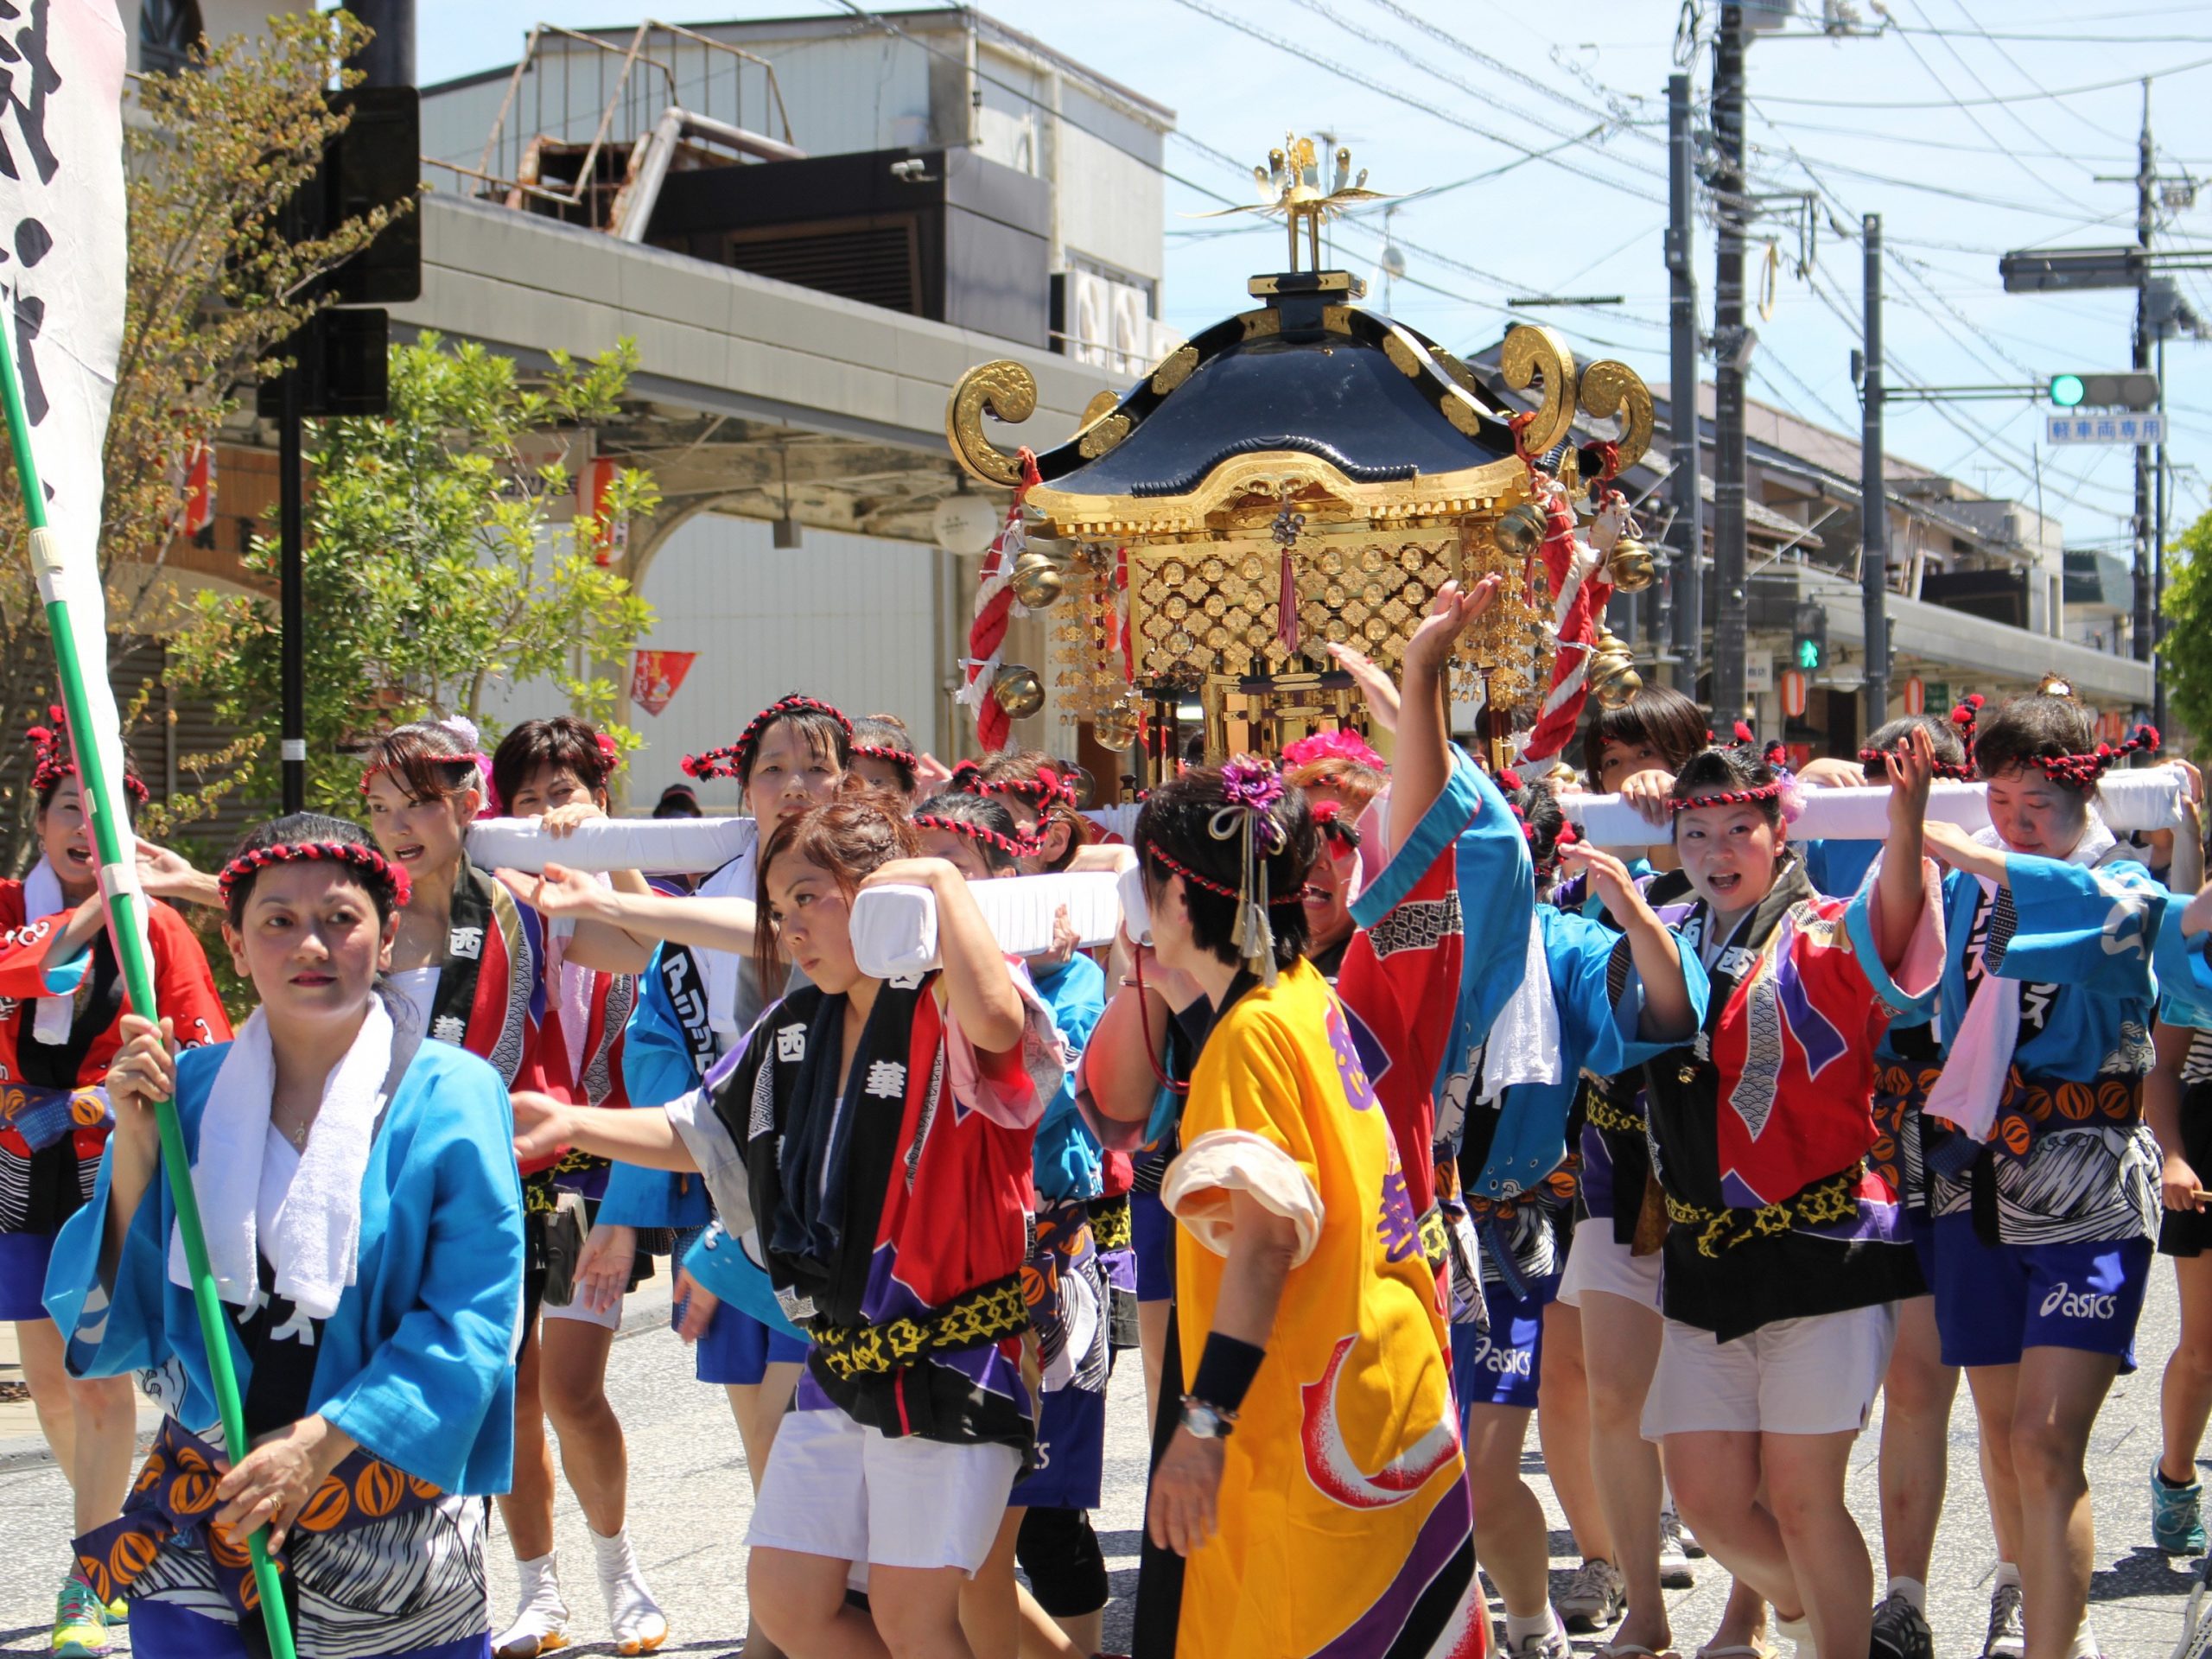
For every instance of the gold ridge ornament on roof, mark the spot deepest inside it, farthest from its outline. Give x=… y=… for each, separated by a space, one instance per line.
x=1311 y=472
x=1290 y=184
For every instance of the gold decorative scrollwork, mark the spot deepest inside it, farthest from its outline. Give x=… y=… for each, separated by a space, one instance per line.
x=1533 y=353
x=1005 y=391
x=1103 y=403
x=1175 y=368
x=1611 y=388
x=1099 y=438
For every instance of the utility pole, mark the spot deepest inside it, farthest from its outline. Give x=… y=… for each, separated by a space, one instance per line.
x=2158 y=554
x=1874 y=499
x=1685 y=587
x=2145 y=601
x=1733 y=352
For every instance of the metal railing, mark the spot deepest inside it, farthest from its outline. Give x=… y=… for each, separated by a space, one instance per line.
x=628 y=90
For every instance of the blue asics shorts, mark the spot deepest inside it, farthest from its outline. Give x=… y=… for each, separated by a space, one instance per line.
x=1504 y=1365
x=737 y=1348
x=1993 y=1301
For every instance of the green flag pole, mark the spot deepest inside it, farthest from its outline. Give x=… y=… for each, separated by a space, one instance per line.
x=126 y=922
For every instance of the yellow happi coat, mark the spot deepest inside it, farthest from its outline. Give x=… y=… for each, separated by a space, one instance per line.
x=1345 y=1528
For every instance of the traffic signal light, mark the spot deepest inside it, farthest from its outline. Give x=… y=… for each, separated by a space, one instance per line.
x=374 y=162
x=1809 y=647
x=2104 y=390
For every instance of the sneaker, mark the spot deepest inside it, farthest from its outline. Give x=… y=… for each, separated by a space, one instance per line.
x=1550 y=1644
x=2177 y=1516
x=2008 y=1633
x=1674 y=1572
x=79 y=1623
x=541 y=1621
x=1670 y=1522
x=1596 y=1595
x=1901 y=1631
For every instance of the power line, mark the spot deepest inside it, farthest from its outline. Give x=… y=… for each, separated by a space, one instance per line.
x=1953 y=99
x=1450 y=118
x=2002 y=98
x=2018 y=68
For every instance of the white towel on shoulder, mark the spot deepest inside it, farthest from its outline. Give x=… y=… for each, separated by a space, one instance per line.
x=42 y=896
x=1972 y=1086
x=1523 y=1045
x=316 y=1250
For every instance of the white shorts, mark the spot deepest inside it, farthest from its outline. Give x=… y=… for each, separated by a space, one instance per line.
x=1598 y=1262
x=610 y=1320
x=1815 y=1376
x=835 y=1488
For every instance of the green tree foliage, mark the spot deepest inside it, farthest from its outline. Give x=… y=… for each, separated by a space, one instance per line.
x=212 y=292
x=433 y=567
x=2185 y=654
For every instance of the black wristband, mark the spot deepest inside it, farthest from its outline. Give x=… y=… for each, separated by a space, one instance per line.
x=1226 y=1368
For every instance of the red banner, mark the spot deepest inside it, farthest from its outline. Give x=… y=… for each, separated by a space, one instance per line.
x=656 y=675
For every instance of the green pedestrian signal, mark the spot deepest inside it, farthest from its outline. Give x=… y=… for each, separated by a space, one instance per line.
x=1808 y=648
x=2066 y=391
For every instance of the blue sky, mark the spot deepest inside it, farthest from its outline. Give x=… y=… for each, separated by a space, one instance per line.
x=1962 y=125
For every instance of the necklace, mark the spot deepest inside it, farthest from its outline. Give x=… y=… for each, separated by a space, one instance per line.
x=299 y=1137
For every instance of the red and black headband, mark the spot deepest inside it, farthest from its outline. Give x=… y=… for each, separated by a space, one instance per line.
x=1954 y=770
x=732 y=759
x=1295 y=896
x=1046 y=789
x=889 y=754
x=2081 y=771
x=367 y=859
x=1012 y=846
x=52 y=759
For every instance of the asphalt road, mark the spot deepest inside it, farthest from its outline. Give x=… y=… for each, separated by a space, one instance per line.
x=689 y=1502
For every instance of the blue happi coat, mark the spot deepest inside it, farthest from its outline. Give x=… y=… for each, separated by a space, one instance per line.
x=416 y=1363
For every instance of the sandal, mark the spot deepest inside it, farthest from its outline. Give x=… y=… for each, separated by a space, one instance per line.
x=1632 y=1650
x=1739 y=1650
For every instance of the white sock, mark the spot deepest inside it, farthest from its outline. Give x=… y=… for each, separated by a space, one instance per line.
x=1519 y=1629
x=1913 y=1591
x=2085 y=1642
x=2007 y=1573
x=1799 y=1631
x=539 y=1611
x=632 y=1611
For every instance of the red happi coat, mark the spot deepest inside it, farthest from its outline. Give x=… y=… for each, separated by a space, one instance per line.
x=38 y=1191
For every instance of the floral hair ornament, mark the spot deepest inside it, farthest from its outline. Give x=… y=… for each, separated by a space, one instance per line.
x=609 y=751
x=53 y=759
x=1332 y=746
x=731 y=759
x=370 y=862
x=1251 y=788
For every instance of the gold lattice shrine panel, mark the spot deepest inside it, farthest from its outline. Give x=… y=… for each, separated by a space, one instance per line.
x=1214 y=607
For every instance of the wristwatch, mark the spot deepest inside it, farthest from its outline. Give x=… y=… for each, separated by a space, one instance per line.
x=1206 y=1422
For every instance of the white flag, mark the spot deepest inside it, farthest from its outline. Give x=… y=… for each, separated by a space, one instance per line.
x=63 y=264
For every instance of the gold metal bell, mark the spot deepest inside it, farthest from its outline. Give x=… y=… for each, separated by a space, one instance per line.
x=1630 y=568
x=1522 y=531
x=1117 y=726
x=1612 y=678
x=1038 y=582
x=1018 y=690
